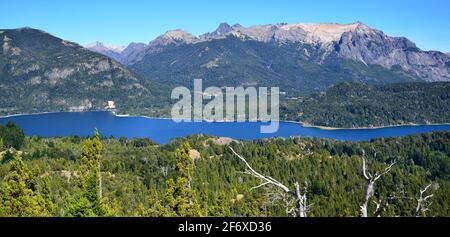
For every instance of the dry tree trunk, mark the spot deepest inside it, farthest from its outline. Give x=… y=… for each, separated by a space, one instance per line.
x=302 y=206
x=422 y=204
x=371 y=179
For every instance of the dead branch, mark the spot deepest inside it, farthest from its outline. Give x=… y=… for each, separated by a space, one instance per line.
x=422 y=202
x=371 y=179
x=300 y=199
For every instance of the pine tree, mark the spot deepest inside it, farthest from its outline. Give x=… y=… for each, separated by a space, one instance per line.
x=187 y=204
x=77 y=205
x=12 y=135
x=46 y=193
x=88 y=201
x=221 y=206
x=19 y=194
x=179 y=198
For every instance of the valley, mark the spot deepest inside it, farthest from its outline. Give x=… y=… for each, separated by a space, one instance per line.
x=49 y=74
x=364 y=125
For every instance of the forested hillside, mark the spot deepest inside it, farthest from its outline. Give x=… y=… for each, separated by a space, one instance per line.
x=200 y=176
x=359 y=105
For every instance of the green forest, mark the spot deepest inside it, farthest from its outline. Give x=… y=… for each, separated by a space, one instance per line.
x=202 y=176
x=349 y=105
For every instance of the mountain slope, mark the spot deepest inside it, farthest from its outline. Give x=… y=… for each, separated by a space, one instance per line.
x=234 y=61
x=373 y=47
x=132 y=53
x=40 y=72
x=367 y=50
x=358 y=42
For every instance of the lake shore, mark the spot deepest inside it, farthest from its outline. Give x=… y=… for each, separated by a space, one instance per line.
x=303 y=124
x=307 y=125
x=54 y=112
x=27 y=114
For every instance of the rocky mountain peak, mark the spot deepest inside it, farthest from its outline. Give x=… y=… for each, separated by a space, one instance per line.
x=134 y=46
x=355 y=41
x=374 y=47
x=322 y=33
x=132 y=53
x=223 y=30
x=312 y=33
x=101 y=47
x=174 y=37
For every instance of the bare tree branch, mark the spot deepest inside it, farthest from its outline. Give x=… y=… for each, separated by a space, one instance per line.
x=258 y=175
x=377 y=208
x=422 y=204
x=259 y=186
x=300 y=199
x=366 y=175
x=274 y=196
x=387 y=170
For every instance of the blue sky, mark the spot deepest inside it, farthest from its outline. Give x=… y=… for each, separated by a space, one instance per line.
x=426 y=22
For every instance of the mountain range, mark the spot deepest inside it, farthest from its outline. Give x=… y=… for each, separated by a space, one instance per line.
x=318 y=42
x=40 y=72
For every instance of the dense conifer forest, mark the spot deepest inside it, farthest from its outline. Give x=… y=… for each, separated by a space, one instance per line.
x=350 y=105
x=201 y=176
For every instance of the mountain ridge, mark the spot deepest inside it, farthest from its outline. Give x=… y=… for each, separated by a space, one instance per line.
x=354 y=41
x=51 y=74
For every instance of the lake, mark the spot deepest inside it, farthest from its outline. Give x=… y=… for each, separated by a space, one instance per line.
x=163 y=130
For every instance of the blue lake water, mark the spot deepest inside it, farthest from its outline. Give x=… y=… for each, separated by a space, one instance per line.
x=163 y=130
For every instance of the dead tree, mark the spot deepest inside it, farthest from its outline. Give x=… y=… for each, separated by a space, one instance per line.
x=300 y=199
x=378 y=207
x=276 y=196
x=371 y=179
x=422 y=202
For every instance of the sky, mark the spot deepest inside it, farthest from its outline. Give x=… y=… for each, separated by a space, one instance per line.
x=425 y=22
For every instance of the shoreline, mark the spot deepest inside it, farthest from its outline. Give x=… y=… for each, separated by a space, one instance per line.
x=27 y=114
x=303 y=124
x=307 y=125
